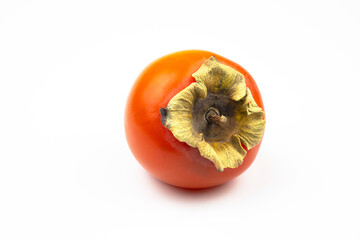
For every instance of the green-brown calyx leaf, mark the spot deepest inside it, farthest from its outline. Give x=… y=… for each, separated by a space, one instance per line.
x=216 y=114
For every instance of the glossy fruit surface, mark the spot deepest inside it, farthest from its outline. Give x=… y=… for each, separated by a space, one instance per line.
x=153 y=145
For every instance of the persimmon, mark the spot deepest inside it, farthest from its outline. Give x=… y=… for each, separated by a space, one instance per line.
x=194 y=119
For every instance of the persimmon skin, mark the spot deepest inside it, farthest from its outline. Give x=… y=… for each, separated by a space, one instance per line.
x=153 y=145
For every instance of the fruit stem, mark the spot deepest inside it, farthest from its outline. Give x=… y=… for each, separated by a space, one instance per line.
x=212 y=116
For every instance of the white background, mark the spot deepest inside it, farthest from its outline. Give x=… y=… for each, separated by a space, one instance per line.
x=66 y=68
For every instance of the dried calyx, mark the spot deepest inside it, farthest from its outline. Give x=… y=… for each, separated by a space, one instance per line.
x=217 y=114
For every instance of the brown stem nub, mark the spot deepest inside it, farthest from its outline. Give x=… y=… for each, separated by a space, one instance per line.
x=212 y=116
